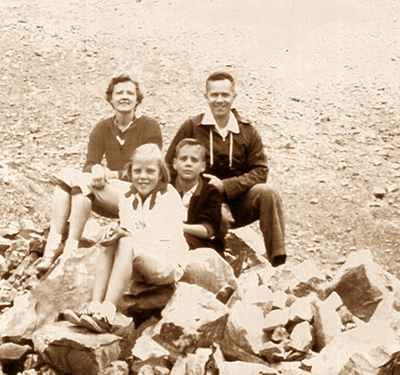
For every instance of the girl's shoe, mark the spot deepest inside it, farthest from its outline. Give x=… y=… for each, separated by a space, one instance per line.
x=74 y=317
x=96 y=323
x=49 y=257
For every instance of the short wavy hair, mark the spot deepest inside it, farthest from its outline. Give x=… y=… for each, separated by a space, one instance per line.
x=220 y=76
x=123 y=78
x=148 y=150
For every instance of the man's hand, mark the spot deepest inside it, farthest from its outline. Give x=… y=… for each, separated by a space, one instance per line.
x=215 y=181
x=98 y=176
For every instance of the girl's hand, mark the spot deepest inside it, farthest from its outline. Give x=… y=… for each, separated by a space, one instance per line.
x=99 y=178
x=112 y=234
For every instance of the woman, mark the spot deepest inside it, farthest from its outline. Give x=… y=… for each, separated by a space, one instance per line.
x=98 y=187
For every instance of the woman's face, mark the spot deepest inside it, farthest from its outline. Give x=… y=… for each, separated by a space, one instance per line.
x=145 y=176
x=123 y=98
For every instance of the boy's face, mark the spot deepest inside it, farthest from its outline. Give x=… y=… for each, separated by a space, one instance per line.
x=189 y=163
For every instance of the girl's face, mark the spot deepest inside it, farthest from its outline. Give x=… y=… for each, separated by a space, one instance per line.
x=145 y=176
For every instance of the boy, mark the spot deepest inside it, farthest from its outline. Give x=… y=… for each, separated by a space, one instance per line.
x=202 y=200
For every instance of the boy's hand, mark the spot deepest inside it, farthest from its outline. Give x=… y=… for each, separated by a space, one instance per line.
x=214 y=180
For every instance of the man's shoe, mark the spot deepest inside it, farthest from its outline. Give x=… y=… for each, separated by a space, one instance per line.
x=95 y=323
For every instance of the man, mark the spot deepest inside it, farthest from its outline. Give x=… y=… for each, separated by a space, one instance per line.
x=236 y=164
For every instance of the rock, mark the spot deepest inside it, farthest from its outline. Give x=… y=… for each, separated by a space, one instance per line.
x=279 y=299
x=206 y=268
x=13 y=352
x=301 y=338
x=280 y=334
x=327 y=322
x=372 y=282
x=193 y=318
x=116 y=368
x=272 y=352
x=195 y=363
x=92 y=233
x=244 y=327
x=307 y=279
x=146 y=348
x=146 y=370
x=144 y=300
x=358 y=351
x=379 y=192
x=301 y=310
x=69 y=286
x=74 y=350
x=241 y=368
x=274 y=319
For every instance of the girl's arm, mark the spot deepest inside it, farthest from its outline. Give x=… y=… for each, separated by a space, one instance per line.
x=198 y=230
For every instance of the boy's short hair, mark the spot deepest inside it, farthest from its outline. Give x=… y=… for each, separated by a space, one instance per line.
x=191 y=142
x=148 y=150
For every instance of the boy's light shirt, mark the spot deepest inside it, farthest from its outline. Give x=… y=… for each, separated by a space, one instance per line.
x=187 y=196
x=231 y=126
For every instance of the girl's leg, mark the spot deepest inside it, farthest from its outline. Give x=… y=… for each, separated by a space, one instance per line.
x=104 y=268
x=121 y=271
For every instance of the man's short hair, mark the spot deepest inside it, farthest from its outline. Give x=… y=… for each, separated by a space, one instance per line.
x=220 y=76
x=191 y=142
x=120 y=79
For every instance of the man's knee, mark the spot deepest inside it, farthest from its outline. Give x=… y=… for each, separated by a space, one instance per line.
x=264 y=193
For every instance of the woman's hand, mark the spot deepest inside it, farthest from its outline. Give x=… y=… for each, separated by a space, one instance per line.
x=112 y=234
x=99 y=178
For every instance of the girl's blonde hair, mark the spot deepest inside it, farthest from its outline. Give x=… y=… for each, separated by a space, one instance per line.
x=148 y=151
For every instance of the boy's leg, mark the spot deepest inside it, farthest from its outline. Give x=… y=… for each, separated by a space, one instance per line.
x=264 y=203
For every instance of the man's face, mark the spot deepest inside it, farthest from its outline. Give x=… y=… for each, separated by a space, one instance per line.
x=220 y=96
x=189 y=163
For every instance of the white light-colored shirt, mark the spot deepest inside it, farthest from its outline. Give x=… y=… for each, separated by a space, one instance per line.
x=231 y=126
x=187 y=196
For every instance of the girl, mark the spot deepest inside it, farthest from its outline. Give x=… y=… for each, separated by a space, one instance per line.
x=149 y=239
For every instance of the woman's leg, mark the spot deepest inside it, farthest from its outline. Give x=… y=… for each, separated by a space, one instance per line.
x=81 y=207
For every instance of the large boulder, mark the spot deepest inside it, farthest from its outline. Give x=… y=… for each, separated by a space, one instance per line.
x=362 y=284
x=193 y=318
x=206 y=268
x=68 y=286
x=357 y=351
x=74 y=351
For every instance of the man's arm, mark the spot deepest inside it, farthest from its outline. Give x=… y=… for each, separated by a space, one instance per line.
x=257 y=169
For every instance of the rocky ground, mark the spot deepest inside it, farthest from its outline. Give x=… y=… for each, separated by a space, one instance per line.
x=319 y=79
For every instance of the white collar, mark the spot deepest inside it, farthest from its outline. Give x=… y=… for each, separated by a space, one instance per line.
x=232 y=124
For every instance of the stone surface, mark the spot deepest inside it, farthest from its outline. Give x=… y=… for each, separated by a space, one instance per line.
x=301 y=309
x=362 y=284
x=12 y=352
x=116 y=368
x=73 y=350
x=357 y=351
x=301 y=338
x=244 y=327
x=206 y=268
x=68 y=286
x=193 y=318
x=274 y=319
x=327 y=322
x=307 y=279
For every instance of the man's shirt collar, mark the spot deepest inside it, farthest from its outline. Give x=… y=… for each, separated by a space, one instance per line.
x=231 y=126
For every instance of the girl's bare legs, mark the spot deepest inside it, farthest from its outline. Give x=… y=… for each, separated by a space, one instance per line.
x=121 y=273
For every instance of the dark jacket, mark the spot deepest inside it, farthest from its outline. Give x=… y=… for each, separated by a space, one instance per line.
x=103 y=141
x=205 y=208
x=247 y=165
